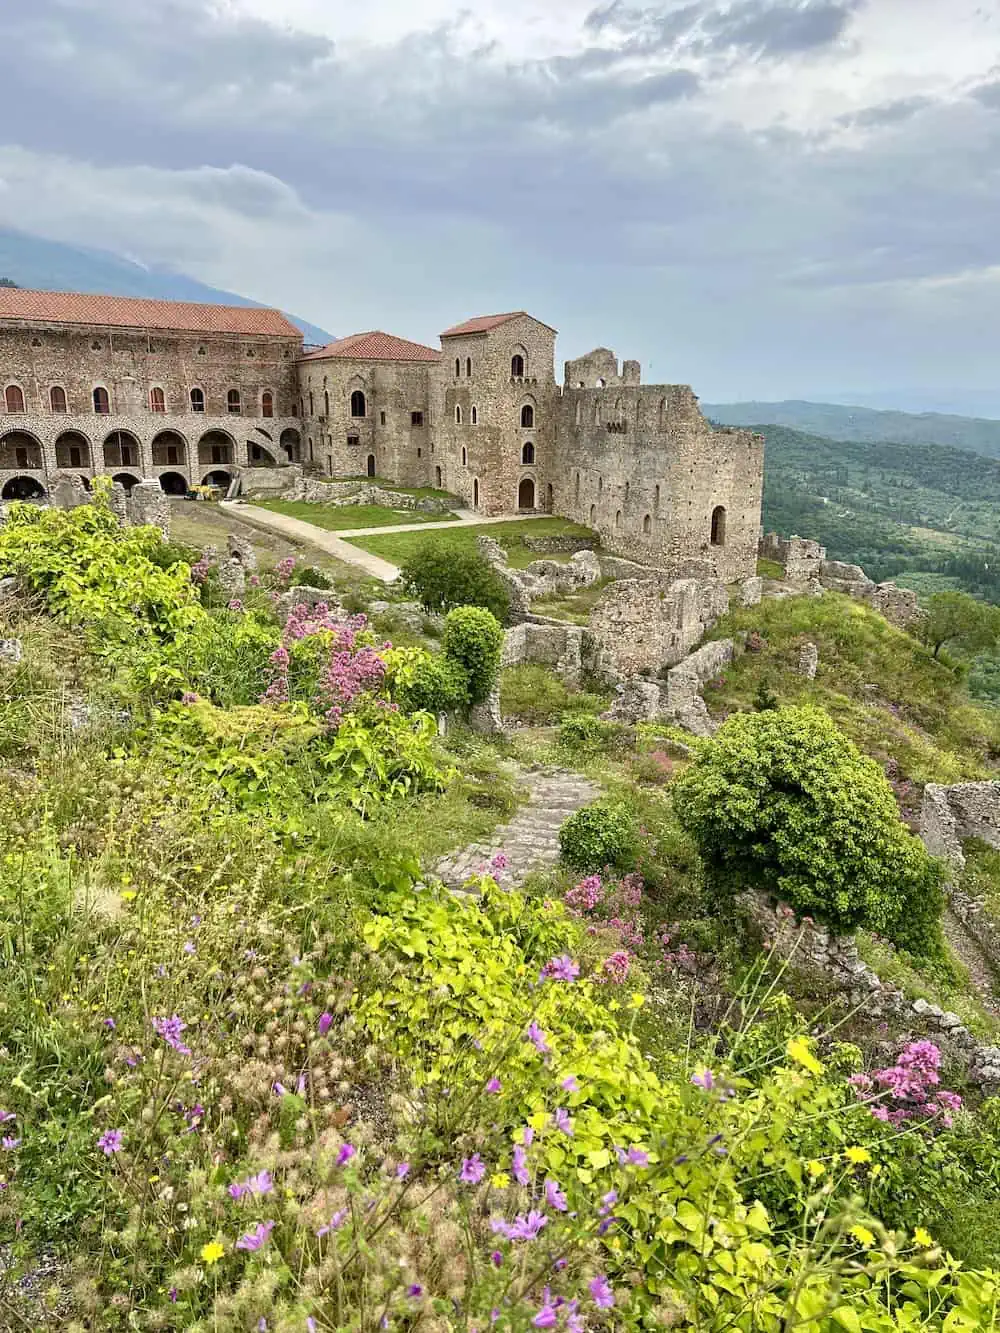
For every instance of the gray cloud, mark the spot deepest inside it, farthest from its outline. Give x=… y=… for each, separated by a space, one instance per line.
x=761 y=28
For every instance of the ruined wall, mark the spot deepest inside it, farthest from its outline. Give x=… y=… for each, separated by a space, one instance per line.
x=949 y=815
x=644 y=467
x=640 y=626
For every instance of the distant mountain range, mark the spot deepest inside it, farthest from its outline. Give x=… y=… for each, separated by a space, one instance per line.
x=980 y=435
x=31 y=261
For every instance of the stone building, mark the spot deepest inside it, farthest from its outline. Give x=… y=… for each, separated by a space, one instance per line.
x=198 y=393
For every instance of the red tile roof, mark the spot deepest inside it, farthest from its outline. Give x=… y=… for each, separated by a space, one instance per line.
x=130 y=312
x=374 y=346
x=484 y=323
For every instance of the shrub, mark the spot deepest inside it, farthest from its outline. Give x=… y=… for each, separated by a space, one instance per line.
x=423 y=681
x=443 y=578
x=783 y=801
x=473 y=638
x=583 y=733
x=600 y=835
x=309 y=576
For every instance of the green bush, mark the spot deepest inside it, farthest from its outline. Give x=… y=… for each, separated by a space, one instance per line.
x=600 y=835
x=783 y=801
x=473 y=638
x=309 y=576
x=428 y=682
x=444 y=578
x=583 y=733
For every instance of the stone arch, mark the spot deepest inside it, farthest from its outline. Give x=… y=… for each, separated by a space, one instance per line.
x=528 y=416
x=121 y=450
x=126 y=479
x=101 y=400
x=13 y=400
x=518 y=362
x=458 y=367
x=475 y=492
x=371 y=465
x=359 y=403
x=72 y=450
x=719 y=526
x=20 y=450
x=618 y=519
x=22 y=488
x=215 y=447
x=169 y=449
x=173 y=483
x=220 y=477
x=259 y=455
x=291 y=442
x=647 y=525
x=600 y=382
x=527 y=453
x=267 y=403
x=526 y=493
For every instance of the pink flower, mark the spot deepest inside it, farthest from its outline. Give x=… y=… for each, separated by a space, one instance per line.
x=494 y=1085
x=473 y=1170
x=345 y=1154
x=111 y=1141
x=554 y=1197
x=601 y=1293
x=257 y=1238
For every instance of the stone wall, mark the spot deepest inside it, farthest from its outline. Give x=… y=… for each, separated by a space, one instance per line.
x=805 y=562
x=682 y=699
x=640 y=626
x=554 y=645
x=271 y=481
x=555 y=545
x=800 y=557
x=338 y=494
x=949 y=815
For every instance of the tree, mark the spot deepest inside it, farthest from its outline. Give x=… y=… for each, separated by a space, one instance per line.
x=7 y=282
x=957 y=618
x=783 y=801
x=444 y=578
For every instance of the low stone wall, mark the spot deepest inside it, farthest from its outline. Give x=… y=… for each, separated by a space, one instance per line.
x=805 y=563
x=683 y=702
x=269 y=480
x=339 y=493
x=556 y=544
x=800 y=557
x=559 y=646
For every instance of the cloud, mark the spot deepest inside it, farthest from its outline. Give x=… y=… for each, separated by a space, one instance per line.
x=761 y=28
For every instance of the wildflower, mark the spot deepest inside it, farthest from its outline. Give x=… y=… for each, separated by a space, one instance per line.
x=172 y=1293
x=212 y=1252
x=108 y=1023
x=111 y=1141
x=170 y=1030
x=496 y=1258
x=522 y=1228
x=494 y=1085
x=606 y=1202
x=500 y=1180
x=555 y=1198
x=9 y=1143
x=633 y=1157
x=414 y=1290
x=705 y=1080
x=310 y=1325
x=799 y=1050
x=279 y=1090
x=473 y=1170
x=189 y=946
x=815 y=1169
x=863 y=1236
x=189 y=697
x=546 y=1316
x=325 y=1024
x=334 y=1224
x=537 y=1038
x=519 y=1166
x=923 y=1238
x=5 y=1116
x=501 y=861
x=262 y=1183
x=570 y=1084
x=615 y=967
x=601 y=1293
x=257 y=1238
x=857 y=1155
x=563 y=1121
x=234 y=604
x=402 y=1171
x=347 y=1151
x=562 y=968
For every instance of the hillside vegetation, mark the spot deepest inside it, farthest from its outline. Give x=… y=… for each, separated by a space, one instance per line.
x=260 y=1071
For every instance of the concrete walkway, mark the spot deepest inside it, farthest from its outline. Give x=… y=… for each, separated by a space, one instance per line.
x=334 y=544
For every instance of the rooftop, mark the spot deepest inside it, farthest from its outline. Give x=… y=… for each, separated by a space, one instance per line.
x=131 y=312
x=484 y=323
x=374 y=346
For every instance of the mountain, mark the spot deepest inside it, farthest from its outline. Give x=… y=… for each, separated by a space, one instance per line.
x=31 y=261
x=837 y=421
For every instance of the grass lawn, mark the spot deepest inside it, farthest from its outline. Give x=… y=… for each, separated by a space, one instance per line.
x=342 y=518
x=572 y=606
x=398 y=547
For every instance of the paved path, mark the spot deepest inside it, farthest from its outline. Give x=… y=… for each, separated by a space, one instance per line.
x=334 y=544
x=531 y=840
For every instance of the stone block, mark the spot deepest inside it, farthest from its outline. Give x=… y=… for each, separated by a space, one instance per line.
x=147 y=504
x=636 y=701
x=242 y=550
x=808 y=660
x=751 y=591
x=11 y=650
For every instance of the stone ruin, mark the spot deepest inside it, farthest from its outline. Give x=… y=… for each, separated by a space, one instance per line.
x=807 y=569
x=337 y=494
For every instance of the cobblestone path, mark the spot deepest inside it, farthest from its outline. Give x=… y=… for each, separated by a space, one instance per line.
x=531 y=839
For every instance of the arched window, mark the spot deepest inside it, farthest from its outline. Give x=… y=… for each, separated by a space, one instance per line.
x=528 y=452
x=102 y=403
x=527 y=417
x=475 y=416
x=157 y=401
x=600 y=382
x=579 y=410
x=475 y=493
x=618 y=518
x=468 y=367
x=57 y=398
x=359 y=407
x=647 y=525
x=517 y=366
x=326 y=402
x=14 y=398
x=458 y=367
x=593 y=515
x=465 y=457
x=663 y=413
x=576 y=489
x=267 y=403
x=197 y=400
x=234 y=404
x=458 y=414
x=718 y=526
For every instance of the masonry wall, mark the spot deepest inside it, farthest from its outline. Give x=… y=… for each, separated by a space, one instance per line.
x=131 y=438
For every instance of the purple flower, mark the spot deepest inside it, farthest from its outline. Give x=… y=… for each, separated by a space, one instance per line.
x=345 y=1154
x=189 y=946
x=7 y=1115
x=633 y=1157
x=234 y=604
x=473 y=1170
x=496 y=1258
x=494 y=1085
x=562 y=968
x=172 y=1293
x=546 y=1317
x=334 y=1224
x=402 y=1171
x=526 y=1228
x=236 y=1190
x=110 y=1023
x=606 y=1203
x=310 y=1325
x=170 y=1030
x=519 y=1166
x=111 y=1141
x=189 y=697
x=554 y=1197
x=325 y=1024
x=705 y=1081
x=9 y=1143
x=563 y=1121
x=501 y=861
x=262 y=1325
x=570 y=1084
x=414 y=1290
x=256 y=1239
x=261 y=1183
x=537 y=1038
x=601 y=1293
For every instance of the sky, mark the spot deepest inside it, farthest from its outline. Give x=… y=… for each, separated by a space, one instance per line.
x=762 y=198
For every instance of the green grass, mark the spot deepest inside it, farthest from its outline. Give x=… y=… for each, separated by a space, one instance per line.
x=769 y=569
x=399 y=547
x=536 y=695
x=956 y=997
x=342 y=518
x=421 y=492
x=572 y=606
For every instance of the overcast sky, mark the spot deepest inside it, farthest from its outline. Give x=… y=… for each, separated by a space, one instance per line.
x=762 y=198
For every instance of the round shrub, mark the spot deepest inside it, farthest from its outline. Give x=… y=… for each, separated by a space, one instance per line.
x=309 y=576
x=434 y=684
x=600 y=835
x=473 y=638
x=444 y=578
x=783 y=801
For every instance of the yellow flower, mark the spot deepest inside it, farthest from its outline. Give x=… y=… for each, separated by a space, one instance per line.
x=815 y=1168
x=863 y=1236
x=212 y=1252
x=923 y=1238
x=128 y=895
x=857 y=1155
x=500 y=1181
x=637 y=1000
x=799 y=1050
